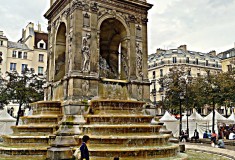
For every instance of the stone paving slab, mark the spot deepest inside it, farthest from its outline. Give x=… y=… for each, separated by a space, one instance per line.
x=213 y=150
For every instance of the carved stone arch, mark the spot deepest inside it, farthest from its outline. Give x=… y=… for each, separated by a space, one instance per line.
x=113 y=47
x=118 y=17
x=60 y=51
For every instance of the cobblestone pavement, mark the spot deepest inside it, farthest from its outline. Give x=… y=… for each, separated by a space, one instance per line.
x=205 y=148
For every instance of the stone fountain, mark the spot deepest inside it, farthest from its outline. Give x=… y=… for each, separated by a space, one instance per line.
x=97 y=68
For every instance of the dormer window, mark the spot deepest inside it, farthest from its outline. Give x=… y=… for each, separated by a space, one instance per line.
x=41 y=45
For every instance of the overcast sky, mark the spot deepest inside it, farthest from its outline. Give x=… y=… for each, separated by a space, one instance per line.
x=203 y=25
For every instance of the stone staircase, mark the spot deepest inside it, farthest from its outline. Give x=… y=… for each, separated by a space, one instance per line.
x=32 y=137
x=120 y=129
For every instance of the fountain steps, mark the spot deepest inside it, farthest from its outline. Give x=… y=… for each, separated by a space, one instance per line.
x=35 y=128
x=145 y=151
x=47 y=107
x=41 y=119
x=25 y=140
x=33 y=137
x=112 y=129
x=118 y=119
x=35 y=150
x=118 y=112
x=130 y=141
x=179 y=156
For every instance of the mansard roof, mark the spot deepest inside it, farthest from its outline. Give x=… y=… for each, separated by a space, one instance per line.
x=180 y=53
x=17 y=45
x=40 y=36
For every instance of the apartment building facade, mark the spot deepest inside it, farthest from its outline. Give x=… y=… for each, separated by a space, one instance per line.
x=195 y=63
x=29 y=52
x=228 y=59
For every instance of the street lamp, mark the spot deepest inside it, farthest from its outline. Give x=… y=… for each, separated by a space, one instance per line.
x=154 y=91
x=214 y=90
x=181 y=97
x=188 y=80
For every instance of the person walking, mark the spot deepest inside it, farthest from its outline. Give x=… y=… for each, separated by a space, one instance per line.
x=84 y=149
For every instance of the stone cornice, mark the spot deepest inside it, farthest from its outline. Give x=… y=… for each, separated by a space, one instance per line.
x=133 y=5
x=56 y=5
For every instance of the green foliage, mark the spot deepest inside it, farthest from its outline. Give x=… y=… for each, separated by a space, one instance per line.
x=24 y=88
x=176 y=84
x=3 y=93
x=200 y=91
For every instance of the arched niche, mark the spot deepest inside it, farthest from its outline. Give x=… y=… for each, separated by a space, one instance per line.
x=114 y=63
x=60 y=52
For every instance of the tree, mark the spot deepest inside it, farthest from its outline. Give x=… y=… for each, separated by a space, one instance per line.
x=176 y=83
x=3 y=93
x=226 y=83
x=24 y=88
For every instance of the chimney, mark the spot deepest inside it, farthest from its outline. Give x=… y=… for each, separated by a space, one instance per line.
x=183 y=47
x=159 y=51
x=1 y=33
x=39 y=27
x=212 y=53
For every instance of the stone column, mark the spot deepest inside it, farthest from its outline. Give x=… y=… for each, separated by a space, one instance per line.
x=145 y=51
x=132 y=53
x=94 y=59
x=77 y=40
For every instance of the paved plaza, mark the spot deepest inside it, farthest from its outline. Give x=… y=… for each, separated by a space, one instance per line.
x=205 y=148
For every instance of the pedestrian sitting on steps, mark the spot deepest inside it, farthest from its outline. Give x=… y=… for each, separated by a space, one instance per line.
x=195 y=136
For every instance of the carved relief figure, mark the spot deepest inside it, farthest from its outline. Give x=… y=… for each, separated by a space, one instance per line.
x=139 y=59
x=125 y=64
x=85 y=87
x=139 y=90
x=86 y=52
x=59 y=63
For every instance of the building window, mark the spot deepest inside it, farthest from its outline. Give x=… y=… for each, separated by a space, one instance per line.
x=25 y=55
x=189 y=72
x=229 y=68
x=12 y=66
x=154 y=76
x=40 y=57
x=207 y=63
x=24 y=67
x=40 y=70
x=19 y=54
x=14 y=54
x=161 y=72
x=174 y=60
x=197 y=61
x=198 y=74
x=41 y=45
x=1 y=43
x=0 y=57
x=187 y=59
x=216 y=64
